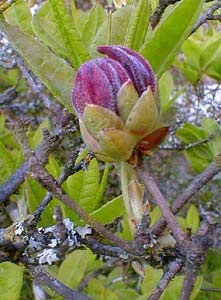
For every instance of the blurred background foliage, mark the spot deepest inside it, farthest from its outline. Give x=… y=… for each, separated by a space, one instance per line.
x=54 y=38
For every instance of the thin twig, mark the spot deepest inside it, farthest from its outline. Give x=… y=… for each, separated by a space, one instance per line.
x=42 y=277
x=197 y=183
x=109 y=265
x=195 y=257
x=209 y=15
x=27 y=74
x=161 y=203
x=163 y=4
x=208 y=289
x=67 y=171
x=181 y=147
x=17 y=178
x=172 y=269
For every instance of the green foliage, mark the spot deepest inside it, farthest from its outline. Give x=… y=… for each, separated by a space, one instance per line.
x=110 y=211
x=84 y=186
x=73 y=268
x=167 y=39
x=139 y=27
x=19 y=15
x=202 y=52
x=120 y=21
x=10 y=281
x=51 y=69
x=201 y=155
x=92 y=23
x=54 y=43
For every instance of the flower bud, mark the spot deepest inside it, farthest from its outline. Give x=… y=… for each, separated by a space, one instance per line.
x=97 y=82
x=117 y=103
x=136 y=66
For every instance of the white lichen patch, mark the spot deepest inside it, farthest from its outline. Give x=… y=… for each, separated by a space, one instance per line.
x=19 y=228
x=83 y=231
x=47 y=256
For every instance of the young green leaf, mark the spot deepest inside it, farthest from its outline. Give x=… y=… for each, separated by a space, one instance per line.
x=139 y=27
x=11 y=277
x=73 y=268
x=94 y=20
x=119 y=26
x=36 y=137
x=83 y=186
x=192 y=51
x=192 y=218
x=46 y=29
x=110 y=211
x=19 y=15
x=57 y=75
x=71 y=39
x=209 y=53
x=167 y=38
x=103 y=183
x=151 y=279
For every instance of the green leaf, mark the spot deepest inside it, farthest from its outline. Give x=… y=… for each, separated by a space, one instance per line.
x=46 y=29
x=19 y=15
x=119 y=26
x=94 y=20
x=36 y=137
x=214 y=69
x=155 y=215
x=34 y=195
x=211 y=126
x=192 y=218
x=192 y=52
x=150 y=280
x=139 y=27
x=190 y=133
x=166 y=87
x=7 y=159
x=53 y=167
x=167 y=38
x=209 y=53
x=201 y=155
x=102 y=187
x=11 y=277
x=71 y=39
x=197 y=287
x=110 y=211
x=73 y=268
x=76 y=18
x=189 y=71
x=97 y=291
x=84 y=185
x=126 y=294
x=57 y=75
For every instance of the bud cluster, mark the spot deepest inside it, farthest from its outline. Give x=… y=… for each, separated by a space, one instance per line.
x=117 y=103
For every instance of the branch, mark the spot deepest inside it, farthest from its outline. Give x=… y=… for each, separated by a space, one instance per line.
x=209 y=15
x=161 y=203
x=172 y=269
x=195 y=257
x=109 y=265
x=68 y=170
x=163 y=4
x=197 y=183
x=181 y=147
x=44 y=278
x=13 y=183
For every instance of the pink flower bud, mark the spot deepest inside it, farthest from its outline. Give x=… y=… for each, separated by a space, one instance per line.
x=98 y=82
x=137 y=67
x=116 y=102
